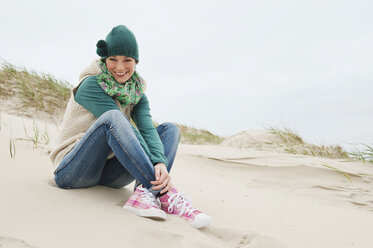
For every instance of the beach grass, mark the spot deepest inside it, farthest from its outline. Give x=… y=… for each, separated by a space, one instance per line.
x=34 y=90
x=12 y=145
x=364 y=153
x=191 y=135
x=344 y=173
x=38 y=137
x=291 y=142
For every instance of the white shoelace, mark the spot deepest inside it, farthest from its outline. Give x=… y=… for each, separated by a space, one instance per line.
x=179 y=201
x=148 y=197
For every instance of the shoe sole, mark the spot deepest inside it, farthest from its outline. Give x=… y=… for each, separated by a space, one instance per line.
x=152 y=213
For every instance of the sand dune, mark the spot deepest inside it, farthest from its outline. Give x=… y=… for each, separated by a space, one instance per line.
x=256 y=198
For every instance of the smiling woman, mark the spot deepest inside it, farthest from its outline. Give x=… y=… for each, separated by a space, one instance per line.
x=98 y=145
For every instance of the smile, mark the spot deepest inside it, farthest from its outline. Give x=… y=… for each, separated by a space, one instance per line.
x=120 y=74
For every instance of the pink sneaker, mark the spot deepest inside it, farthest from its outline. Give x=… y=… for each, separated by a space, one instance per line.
x=175 y=203
x=143 y=203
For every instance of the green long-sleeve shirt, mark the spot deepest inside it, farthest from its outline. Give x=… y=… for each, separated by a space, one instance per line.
x=91 y=96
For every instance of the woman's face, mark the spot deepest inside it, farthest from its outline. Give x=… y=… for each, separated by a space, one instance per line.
x=121 y=67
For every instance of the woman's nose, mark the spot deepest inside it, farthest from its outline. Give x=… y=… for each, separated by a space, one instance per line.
x=120 y=66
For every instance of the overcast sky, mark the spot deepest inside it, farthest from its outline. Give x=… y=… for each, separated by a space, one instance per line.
x=225 y=66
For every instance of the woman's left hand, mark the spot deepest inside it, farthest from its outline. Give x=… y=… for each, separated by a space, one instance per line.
x=162 y=178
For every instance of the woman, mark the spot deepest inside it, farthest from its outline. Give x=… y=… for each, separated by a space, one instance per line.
x=98 y=145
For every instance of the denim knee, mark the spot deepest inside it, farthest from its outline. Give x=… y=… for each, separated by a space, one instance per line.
x=113 y=115
x=115 y=118
x=63 y=180
x=170 y=129
x=67 y=179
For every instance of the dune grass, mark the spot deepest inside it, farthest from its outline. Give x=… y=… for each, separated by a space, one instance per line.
x=12 y=148
x=364 y=154
x=191 y=135
x=291 y=142
x=33 y=90
x=38 y=137
x=344 y=173
x=12 y=145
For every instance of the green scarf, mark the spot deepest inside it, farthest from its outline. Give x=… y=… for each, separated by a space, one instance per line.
x=128 y=93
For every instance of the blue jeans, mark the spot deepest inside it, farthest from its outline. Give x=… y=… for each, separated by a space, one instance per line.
x=87 y=165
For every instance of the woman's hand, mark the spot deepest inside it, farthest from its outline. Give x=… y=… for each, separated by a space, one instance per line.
x=162 y=178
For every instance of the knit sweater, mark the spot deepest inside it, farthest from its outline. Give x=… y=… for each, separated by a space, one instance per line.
x=78 y=119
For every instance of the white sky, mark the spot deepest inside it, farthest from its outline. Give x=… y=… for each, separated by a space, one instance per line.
x=225 y=66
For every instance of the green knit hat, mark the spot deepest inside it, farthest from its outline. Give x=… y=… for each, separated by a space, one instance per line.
x=120 y=41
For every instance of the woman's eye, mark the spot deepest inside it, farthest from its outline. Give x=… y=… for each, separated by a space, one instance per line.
x=112 y=59
x=127 y=60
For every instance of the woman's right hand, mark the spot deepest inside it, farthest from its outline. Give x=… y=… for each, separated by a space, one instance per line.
x=162 y=178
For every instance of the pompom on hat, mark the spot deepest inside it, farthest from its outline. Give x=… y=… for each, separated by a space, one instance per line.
x=120 y=41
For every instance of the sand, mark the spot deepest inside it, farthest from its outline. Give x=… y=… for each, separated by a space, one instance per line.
x=256 y=199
